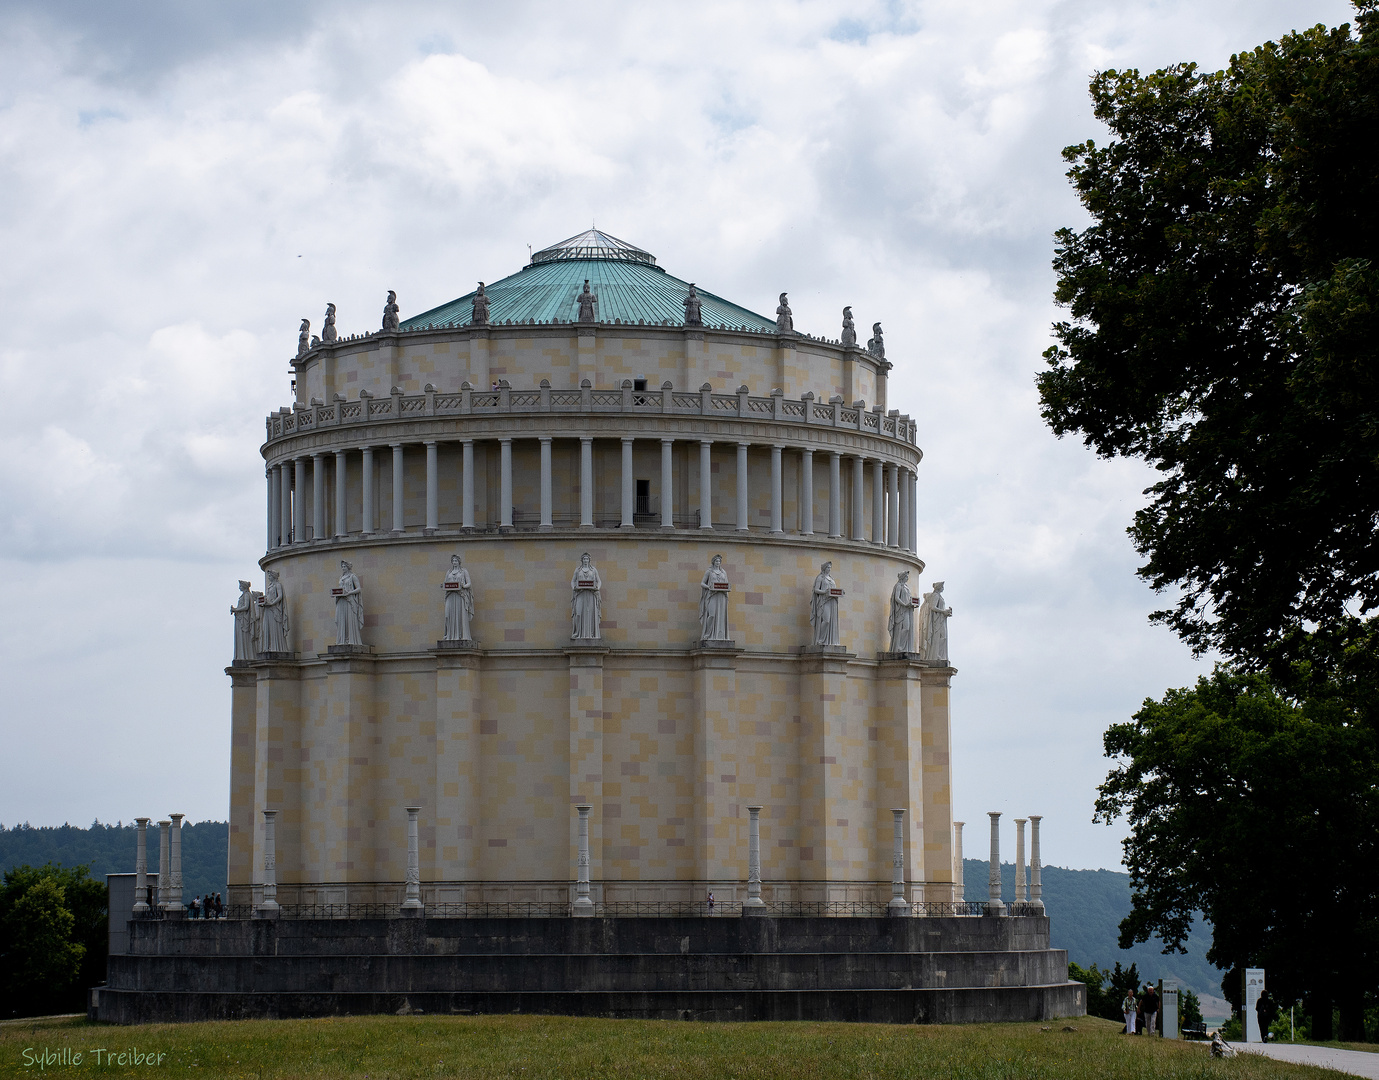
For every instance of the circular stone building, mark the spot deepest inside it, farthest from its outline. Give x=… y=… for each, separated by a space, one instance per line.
x=590 y=593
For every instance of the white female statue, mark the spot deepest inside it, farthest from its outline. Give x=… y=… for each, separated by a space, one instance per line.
x=459 y=602
x=586 y=605
x=246 y=632
x=933 y=622
x=275 y=625
x=713 y=603
x=902 y=621
x=823 y=607
x=349 y=607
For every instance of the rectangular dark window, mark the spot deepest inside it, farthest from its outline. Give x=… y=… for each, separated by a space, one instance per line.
x=643 y=497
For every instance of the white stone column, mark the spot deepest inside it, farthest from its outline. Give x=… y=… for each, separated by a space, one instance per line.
x=993 y=903
x=299 y=503
x=1019 y=858
x=743 y=511
x=467 y=486
x=285 y=504
x=1036 y=887
x=398 y=525
x=706 y=483
x=546 y=523
x=412 y=904
x=892 y=505
x=318 y=496
x=269 y=904
x=913 y=529
x=366 y=506
x=629 y=490
x=583 y=906
x=807 y=493
x=433 y=481
x=341 y=500
x=835 y=495
x=957 y=861
x=754 y=904
x=174 y=903
x=586 y=483
x=505 y=485
x=898 y=905
x=905 y=509
x=667 y=485
x=777 y=516
x=141 y=866
x=878 y=502
x=272 y=500
x=859 y=475
x=164 y=864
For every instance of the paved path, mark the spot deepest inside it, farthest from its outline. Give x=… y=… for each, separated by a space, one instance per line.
x=1354 y=1062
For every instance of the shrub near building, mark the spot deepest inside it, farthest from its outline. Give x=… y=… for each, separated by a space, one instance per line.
x=53 y=928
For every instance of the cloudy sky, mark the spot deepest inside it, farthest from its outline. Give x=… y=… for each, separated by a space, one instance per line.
x=181 y=183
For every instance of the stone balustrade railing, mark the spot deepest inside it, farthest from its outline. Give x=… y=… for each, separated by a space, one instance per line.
x=302 y=419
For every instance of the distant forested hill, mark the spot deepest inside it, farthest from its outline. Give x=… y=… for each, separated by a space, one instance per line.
x=110 y=849
x=1085 y=908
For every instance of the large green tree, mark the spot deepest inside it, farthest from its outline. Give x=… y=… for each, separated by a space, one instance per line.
x=1224 y=327
x=53 y=938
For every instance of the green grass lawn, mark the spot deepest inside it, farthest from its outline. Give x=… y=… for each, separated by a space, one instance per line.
x=531 y=1047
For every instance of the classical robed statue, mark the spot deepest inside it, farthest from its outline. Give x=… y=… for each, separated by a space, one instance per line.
x=246 y=614
x=349 y=607
x=459 y=602
x=933 y=621
x=713 y=603
x=902 y=620
x=586 y=605
x=275 y=628
x=823 y=607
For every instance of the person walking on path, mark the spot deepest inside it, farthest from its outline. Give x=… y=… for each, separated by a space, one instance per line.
x=1150 y=1004
x=1265 y=1011
x=1129 y=1007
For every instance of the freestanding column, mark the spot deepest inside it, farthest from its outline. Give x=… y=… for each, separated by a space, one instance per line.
x=898 y=904
x=586 y=483
x=175 y=875
x=583 y=906
x=705 y=484
x=505 y=485
x=412 y=905
x=164 y=864
x=892 y=505
x=366 y=506
x=546 y=523
x=993 y=903
x=269 y=905
x=912 y=530
x=878 y=502
x=776 y=514
x=754 y=904
x=835 y=495
x=318 y=496
x=299 y=504
x=141 y=866
x=957 y=860
x=1019 y=856
x=272 y=509
x=858 y=510
x=285 y=505
x=397 y=487
x=667 y=485
x=743 y=513
x=433 y=480
x=1036 y=887
x=628 y=490
x=340 y=522
x=905 y=509
x=807 y=493
x=467 y=486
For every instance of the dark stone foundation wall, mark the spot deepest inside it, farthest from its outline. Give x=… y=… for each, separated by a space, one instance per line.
x=941 y=970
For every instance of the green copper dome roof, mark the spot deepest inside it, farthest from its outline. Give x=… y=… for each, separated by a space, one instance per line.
x=631 y=289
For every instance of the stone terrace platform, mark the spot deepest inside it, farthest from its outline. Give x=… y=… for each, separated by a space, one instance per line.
x=888 y=970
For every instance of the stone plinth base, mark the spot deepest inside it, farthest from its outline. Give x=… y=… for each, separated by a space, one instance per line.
x=457 y=645
x=348 y=650
x=931 y=970
x=825 y=650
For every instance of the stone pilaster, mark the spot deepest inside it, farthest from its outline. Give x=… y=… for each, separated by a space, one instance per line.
x=826 y=813
x=243 y=724
x=478 y=358
x=458 y=763
x=899 y=754
x=588 y=358
x=338 y=791
x=937 y=769
x=586 y=748
x=277 y=780
x=715 y=719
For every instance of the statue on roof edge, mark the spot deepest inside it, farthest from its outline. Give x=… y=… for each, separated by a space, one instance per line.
x=849 y=328
x=328 y=327
x=304 y=338
x=785 y=322
x=587 y=300
x=876 y=345
x=480 y=307
x=692 y=308
x=390 y=319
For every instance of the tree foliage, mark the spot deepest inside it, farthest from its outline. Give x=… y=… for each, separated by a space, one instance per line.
x=1258 y=808
x=1225 y=325
x=53 y=939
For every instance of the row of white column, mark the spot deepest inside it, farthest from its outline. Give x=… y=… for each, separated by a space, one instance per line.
x=894 y=509
x=994 y=904
x=169 y=890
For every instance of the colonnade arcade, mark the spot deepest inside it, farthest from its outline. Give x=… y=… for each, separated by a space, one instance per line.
x=334 y=493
